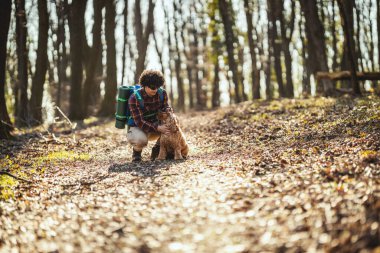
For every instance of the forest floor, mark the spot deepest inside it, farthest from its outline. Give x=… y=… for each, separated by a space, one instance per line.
x=283 y=176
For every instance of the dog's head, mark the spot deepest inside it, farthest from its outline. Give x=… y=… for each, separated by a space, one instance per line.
x=169 y=119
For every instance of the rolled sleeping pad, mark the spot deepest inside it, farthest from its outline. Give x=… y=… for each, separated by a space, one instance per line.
x=121 y=107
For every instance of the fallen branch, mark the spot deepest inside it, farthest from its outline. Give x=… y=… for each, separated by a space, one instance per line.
x=3 y=172
x=346 y=75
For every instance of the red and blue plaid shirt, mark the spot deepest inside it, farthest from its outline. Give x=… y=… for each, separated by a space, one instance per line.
x=151 y=105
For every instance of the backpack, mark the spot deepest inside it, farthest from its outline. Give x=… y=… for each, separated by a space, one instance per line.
x=136 y=91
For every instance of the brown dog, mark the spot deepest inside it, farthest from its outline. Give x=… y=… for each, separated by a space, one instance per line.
x=174 y=142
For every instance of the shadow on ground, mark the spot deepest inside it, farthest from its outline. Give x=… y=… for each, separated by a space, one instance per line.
x=143 y=169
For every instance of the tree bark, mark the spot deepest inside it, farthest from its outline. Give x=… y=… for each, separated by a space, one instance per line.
x=273 y=17
x=315 y=37
x=224 y=6
x=76 y=25
x=181 y=94
x=5 y=17
x=96 y=53
x=41 y=64
x=22 y=116
x=349 y=43
x=142 y=36
x=61 y=9
x=255 y=74
x=108 y=104
x=125 y=37
x=286 y=38
x=170 y=47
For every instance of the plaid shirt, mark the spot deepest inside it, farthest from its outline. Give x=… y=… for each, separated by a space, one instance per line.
x=151 y=105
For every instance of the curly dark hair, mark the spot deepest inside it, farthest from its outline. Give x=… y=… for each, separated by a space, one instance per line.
x=152 y=79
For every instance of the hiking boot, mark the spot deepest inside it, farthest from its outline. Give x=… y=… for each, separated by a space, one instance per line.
x=136 y=156
x=155 y=151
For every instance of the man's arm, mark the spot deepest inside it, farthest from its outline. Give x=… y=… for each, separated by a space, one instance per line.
x=137 y=116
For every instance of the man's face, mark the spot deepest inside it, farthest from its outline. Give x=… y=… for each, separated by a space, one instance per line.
x=151 y=92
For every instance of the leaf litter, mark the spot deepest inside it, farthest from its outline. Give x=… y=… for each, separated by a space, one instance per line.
x=286 y=175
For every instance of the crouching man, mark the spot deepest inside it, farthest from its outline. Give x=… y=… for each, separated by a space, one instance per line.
x=144 y=105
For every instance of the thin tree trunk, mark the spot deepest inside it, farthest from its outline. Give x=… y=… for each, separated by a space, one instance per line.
x=289 y=91
x=88 y=87
x=358 y=34
x=215 y=99
x=159 y=52
x=255 y=75
x=307 y=68
x=108 y=104
x=41 y=63
x=125 y=37
x=349 y=39
x=5 y=17
x=317 y=47
x=76 y=24
x=273 y=11
x=22 y=55
x=334 y=38
x=268 y=63
x=181 y=94
x=229 y=40
x=171 y=95
x=142 y=36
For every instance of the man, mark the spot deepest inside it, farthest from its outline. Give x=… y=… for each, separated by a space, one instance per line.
x=145 y=124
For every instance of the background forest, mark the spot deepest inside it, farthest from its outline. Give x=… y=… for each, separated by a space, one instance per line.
x=74 y=54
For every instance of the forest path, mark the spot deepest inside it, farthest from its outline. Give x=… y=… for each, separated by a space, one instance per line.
x=286 y=175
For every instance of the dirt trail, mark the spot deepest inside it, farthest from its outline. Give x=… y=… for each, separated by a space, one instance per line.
x=280 y=176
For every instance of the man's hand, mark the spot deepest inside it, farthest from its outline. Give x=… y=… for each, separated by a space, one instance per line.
x=163 y=129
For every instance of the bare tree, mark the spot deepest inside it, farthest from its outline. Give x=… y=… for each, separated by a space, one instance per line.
x=108 y=107
x=178 y=60
x=22 y=116
x=76 y=24
x=316 y=44
x=94 y=56
x=38 y=81
x=5 y=17
x=225 y=12
x=344 y=10
x=255 y=74
x=142 y=35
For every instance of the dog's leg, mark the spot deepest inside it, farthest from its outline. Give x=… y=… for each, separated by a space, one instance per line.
x=185 y=150
x=162 y=154
x=177 y=154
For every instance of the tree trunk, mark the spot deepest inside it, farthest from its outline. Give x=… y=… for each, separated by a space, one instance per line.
x=108 y=104
x=76 y=24
x=349 y=43
x=170 y=47
x=22 y=63
x=334 y=38
x=61 y=9
x=255 y=75
x=181 y=94
x=215 y=99
x=268 y=63
x=273 y=17
x=5 y=17
x=224 y=6
x=41 y=63
x=307 y=68
x=378 y=30
x=289 y=91
x=142 y=37
x=315 y=37
x=125 y=37
x=94 y=56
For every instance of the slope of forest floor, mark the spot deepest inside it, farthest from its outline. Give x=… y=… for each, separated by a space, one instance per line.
x=284 y=175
